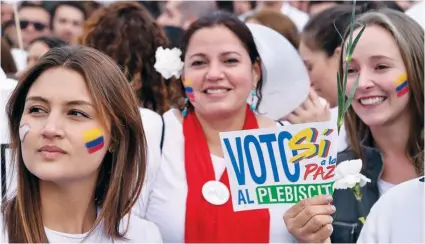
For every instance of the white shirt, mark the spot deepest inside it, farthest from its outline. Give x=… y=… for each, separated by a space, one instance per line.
x=297 y=16
x=416 y=12
x=152 y=126
x=139 y=231
x=398 y=216
x=167 y=202
x=384 y=186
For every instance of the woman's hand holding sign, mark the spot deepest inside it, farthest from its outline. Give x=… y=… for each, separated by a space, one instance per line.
x=310 y=220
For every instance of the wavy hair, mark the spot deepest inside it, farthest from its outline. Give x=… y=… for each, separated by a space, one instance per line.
x=127 y=33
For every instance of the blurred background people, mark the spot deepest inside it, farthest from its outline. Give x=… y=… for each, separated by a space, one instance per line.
x=34 y=21
x=7 y=62
x=41 y=45
x=68 y=20
x=181 y=14
x=278 y=22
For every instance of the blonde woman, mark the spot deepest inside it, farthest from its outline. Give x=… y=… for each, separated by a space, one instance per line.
x=386 y=116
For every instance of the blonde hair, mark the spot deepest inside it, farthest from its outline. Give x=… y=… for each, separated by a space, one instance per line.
x=409 y=36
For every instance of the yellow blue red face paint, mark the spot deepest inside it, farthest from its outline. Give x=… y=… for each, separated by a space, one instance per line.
x=402 y=87
x=23 y=130
x=189 y=90
x=94 y=140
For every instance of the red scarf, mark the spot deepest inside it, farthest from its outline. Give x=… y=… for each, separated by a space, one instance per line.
x=206 y=222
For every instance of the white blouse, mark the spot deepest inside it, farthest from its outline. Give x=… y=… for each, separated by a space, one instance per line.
x=139 y=231
x=397 y=217
x=167 y=201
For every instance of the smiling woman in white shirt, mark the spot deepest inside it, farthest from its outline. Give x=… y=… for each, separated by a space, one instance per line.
x=221 y=71
x=80 y=152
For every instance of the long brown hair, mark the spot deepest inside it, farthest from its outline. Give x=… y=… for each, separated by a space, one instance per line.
x=127 y=33
x=122 y=171
x=410 y=38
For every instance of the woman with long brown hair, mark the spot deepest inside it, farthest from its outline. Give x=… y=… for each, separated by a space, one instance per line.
x=80 y=152
x=385 y=127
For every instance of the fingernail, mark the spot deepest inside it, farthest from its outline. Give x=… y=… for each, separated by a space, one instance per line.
x=333 y=208
x=329 y=198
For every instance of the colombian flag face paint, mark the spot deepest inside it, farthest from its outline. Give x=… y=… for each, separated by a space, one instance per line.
x=402 y=87
x=94 y=140
x=189 y=89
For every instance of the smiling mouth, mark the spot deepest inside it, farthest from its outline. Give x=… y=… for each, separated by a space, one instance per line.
x=372 y=100
x=216 y=91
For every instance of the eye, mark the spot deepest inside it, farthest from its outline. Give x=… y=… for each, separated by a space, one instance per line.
x=77 y=113
x=231 y=60
x=381 y=66
x=197 y=63
x=36 y=110
x=351 y=70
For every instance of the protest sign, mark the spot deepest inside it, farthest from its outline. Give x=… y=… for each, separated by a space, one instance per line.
x=280 y=165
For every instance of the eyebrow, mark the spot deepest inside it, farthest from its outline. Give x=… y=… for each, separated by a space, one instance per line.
x=374 y=57
x=73 y=102
x=221 y=54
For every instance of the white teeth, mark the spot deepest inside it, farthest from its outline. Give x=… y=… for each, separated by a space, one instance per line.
x=215 y=91
x=371 y=101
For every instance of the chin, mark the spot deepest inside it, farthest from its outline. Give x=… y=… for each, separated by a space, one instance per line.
x=375 y=120
x=218 y=110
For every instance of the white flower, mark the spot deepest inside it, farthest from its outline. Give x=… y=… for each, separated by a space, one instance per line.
x=168 y=62
x=347 y=175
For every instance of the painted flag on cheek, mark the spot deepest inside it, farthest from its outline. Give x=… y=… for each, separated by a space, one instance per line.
x=402 y=86
x=93 y=140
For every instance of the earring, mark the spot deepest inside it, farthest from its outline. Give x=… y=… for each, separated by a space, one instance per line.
x=253 y=106
x=186 y=100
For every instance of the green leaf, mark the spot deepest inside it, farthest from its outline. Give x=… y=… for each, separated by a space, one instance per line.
x=351 y=95
x=340 y=96
x=344 y=84
x=356 y=40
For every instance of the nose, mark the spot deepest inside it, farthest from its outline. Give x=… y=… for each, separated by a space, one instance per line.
x=53 y=127
x=365 y=81
x=214 y=72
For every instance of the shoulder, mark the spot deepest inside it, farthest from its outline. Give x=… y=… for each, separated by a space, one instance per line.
x=265 y=122
x=148 y=115
x=411 y=189
x=140 y=230
x=386 y=225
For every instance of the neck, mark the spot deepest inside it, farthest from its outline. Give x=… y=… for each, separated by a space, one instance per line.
x=392 y=139
x=68 y=208
x=212 y=126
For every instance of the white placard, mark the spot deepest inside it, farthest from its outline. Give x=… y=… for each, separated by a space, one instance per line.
x=280 y=165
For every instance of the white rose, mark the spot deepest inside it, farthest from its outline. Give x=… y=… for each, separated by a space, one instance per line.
x=168 y=62
x=347 y=175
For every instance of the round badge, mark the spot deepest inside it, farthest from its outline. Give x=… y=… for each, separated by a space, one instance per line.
x=215 y=192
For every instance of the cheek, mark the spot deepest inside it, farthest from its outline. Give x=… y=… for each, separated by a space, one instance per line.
x=93 y=140
x=401 y=86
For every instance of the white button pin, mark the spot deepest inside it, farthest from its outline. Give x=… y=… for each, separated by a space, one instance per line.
x=215 y=192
